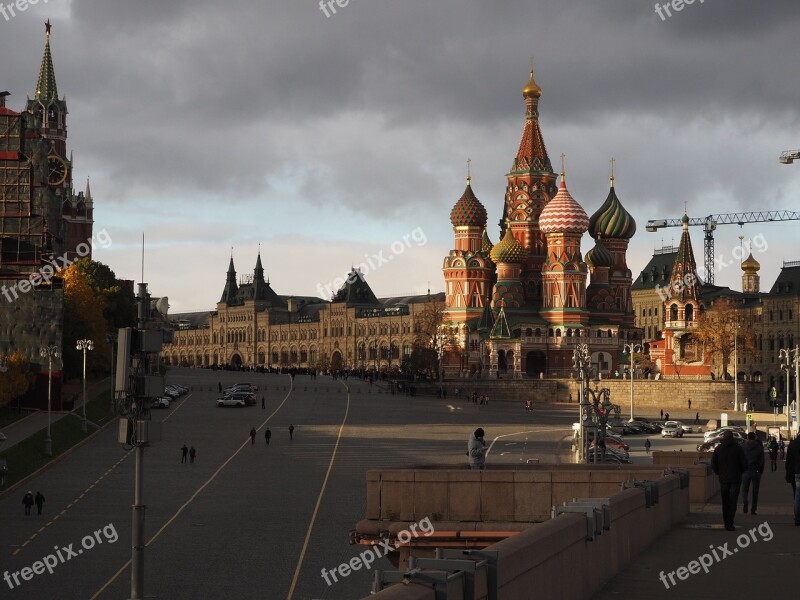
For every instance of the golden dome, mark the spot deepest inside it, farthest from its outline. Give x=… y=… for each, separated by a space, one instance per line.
x=531 y=89
x=751 y=264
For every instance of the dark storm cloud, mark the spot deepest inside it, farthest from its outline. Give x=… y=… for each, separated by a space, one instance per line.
x=376 y=108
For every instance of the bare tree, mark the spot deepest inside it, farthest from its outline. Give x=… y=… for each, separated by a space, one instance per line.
x=717 y=328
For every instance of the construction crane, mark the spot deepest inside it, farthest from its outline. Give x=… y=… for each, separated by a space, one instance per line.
x=787 y=157
x=710 y=223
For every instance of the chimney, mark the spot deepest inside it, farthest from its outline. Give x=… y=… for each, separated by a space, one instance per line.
x=3 y=98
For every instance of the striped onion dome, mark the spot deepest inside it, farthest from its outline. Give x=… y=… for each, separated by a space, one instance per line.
x=468 y=211
x=612 y=220
x=563 y=214
x=508 y=250
x=599 y=256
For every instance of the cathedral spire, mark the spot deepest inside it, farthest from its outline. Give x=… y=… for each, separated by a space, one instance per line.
x=532 y=154
x=46 y=89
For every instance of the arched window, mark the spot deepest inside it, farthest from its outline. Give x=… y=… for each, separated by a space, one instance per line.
x=673 y=312
x=689 y=312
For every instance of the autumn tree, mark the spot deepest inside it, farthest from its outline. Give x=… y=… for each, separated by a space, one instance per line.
x=716 y=328
x=16 y=377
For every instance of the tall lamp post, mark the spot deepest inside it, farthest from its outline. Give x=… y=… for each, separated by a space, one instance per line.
x=632 y=349
x=788 y=358
x=581 y=362
x=49 y=352
x=84 y=345
x=111 y=338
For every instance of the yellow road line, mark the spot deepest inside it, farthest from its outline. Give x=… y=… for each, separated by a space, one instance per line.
x=319 y=499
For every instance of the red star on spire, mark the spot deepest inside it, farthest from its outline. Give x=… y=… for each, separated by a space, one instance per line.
x=47 y=27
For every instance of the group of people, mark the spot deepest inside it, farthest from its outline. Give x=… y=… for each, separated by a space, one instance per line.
x=29 y=500
x=268 y=435
x=190 y=452
x=740 y=467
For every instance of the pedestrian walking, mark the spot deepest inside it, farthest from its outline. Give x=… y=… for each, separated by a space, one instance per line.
x=252 y=436
x=697 y=419
x=476 y=450
x=39 y=500
x=28 y=502
x=782 y=450
x=754 y=451
x=267 y=436
x=666 y=416
x=729 y=462
x=291 y=431
x=662 y=414
x=647 y=445
x=793 y=474
x=220 y=387
x=192 y=454
x=263 y=403
x=772 y=447
x=690 y=403
x=184 y=453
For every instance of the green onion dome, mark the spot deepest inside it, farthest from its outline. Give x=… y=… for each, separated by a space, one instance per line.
x=508 y=250
x=612 y=220
x=599 y=256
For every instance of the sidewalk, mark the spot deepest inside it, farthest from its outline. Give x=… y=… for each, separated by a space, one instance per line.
x=37 y=420
x=760 y=563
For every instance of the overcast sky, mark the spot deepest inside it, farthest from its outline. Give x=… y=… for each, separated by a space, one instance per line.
x=211 y=125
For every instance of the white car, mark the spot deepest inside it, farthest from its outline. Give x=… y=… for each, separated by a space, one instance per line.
x=230 y=401
x=162 y=402
x=672 y=429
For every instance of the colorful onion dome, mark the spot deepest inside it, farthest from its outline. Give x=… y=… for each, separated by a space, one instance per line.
x=563 y=214
x=486 y=243
x=508 y=250
x=468 y=211
x=599 y=256
x=612 y=220
x=751 y=264
x=531 y=89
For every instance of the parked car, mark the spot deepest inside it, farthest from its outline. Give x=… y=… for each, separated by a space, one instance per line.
x=709 y=445
x=247 y=397
x=614 y=442
x=672 y=429
x=229 y=401
x=738 y=432
x=686 y=428
x=162 y=402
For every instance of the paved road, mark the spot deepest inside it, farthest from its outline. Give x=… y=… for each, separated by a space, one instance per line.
x=248 y=521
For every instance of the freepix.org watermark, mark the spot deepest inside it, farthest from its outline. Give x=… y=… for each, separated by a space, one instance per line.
x=327 y=6
x=60 y=556
x=373 y=262
x=758 y=243
x=370 y=555
x=12 y=9
x=46 y=273
x=676 y=5
x=717 y=554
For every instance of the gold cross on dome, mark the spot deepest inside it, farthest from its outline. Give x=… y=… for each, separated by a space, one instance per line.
x=469 y=170
x=563 y=168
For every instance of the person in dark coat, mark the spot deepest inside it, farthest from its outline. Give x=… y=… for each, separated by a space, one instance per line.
x=28 y=502
x=263 y=402
x=793 y=474
x=729 y=462
x=267 y=436
x=192 y=454
x=772 y=447
x=291 y=431
x=184 y=453
x=253 y=436
x=754 y=451
x=39 y=500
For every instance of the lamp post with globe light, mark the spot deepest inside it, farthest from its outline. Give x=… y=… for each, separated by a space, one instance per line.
x=84 y=345
x=632 y=349
x=49 y=352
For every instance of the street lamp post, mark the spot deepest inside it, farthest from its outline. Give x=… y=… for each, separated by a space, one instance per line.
x=111 y=338
x=632 y=349
x=49 y=352
x=84 y=345
x=788 y=358
x=581 y=362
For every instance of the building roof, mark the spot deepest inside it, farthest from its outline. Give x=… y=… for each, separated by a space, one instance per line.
x=658 y=271
x=788 y=281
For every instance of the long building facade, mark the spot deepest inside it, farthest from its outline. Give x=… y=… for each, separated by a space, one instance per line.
x=520 y=307
x=254 y=327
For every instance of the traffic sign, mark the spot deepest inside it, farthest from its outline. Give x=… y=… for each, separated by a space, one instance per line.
x=749 y=416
